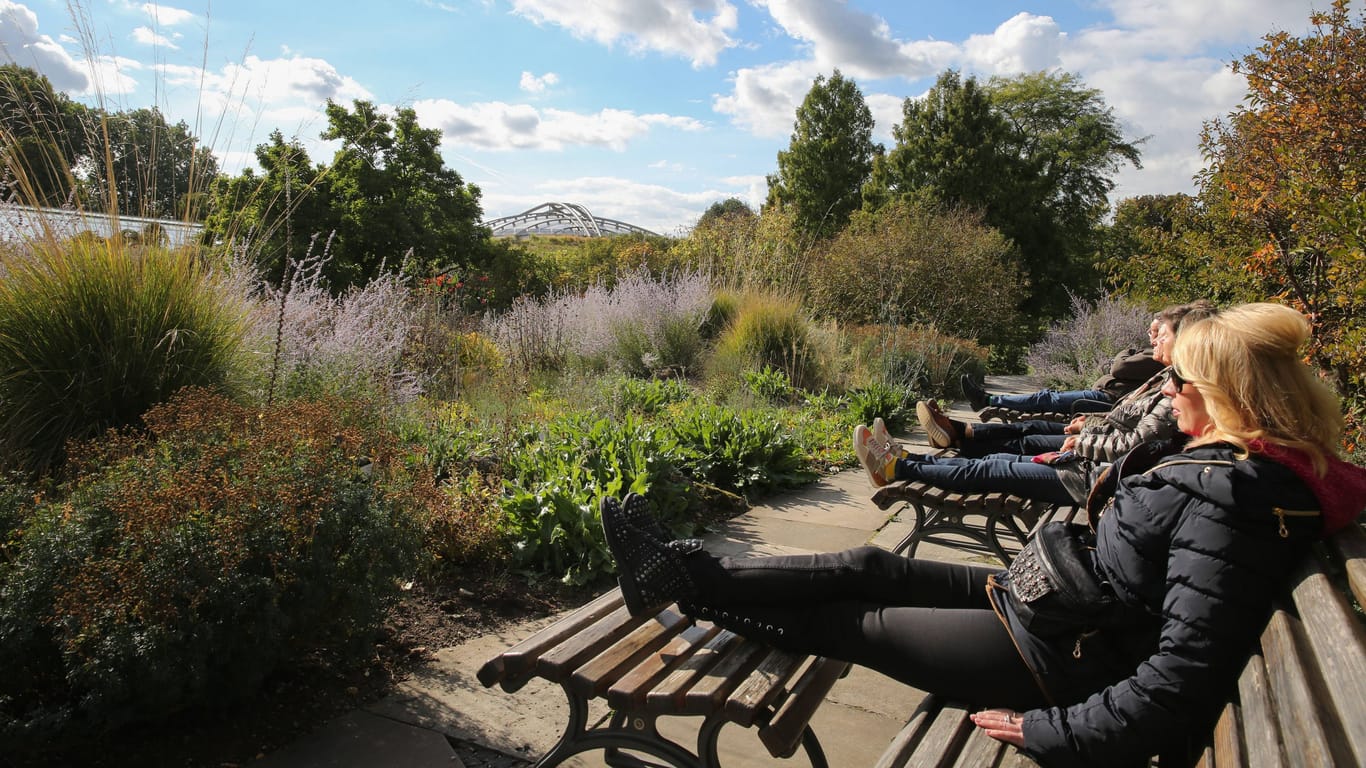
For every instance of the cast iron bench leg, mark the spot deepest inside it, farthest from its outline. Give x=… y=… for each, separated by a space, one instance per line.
x=617 y=736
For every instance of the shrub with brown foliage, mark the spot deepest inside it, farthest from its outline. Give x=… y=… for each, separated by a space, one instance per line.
x=191 y=559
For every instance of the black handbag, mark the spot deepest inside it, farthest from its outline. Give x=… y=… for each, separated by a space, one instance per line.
x=1054 y=585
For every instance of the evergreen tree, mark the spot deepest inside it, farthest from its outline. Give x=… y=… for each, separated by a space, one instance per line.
x=829 y=158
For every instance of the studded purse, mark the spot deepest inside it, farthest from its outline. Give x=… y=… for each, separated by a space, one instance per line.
x=1054 y=586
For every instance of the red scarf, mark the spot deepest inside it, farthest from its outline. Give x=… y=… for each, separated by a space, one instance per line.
x=1341 y=490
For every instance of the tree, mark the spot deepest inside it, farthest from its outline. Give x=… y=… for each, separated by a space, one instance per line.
x=387 y=202
x=731 y=206
x=147 y=166
x=1164 y=249
x=1035 y=153
x=40 y=138
x=829 y=158
x=281 y=214
x=397 y=202
x=1288 y=172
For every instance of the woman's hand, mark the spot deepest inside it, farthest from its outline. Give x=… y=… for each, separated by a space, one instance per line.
x=1001 y=724
x=1070 y=444
x=1074 y=426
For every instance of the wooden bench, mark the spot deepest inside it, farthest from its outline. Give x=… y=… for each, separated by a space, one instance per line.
x=662 y=665
x=940 y=513
x=1301 y=700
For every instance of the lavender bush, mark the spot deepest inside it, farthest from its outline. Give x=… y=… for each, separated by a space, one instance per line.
x=1076 y=351
x=640 y=326
x=309 y=342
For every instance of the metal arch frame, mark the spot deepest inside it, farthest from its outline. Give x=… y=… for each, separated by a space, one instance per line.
x=570 y=217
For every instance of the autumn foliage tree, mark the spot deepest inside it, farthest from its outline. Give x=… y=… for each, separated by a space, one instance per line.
x=1287 y=170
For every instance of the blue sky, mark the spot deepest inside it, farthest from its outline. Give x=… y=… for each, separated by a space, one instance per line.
x=645 y=111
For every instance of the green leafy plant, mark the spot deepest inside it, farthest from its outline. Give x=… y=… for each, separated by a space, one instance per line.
x=746 y=452
x=894 y=405
x=555 y=478
x=646 y=397
x=770 y=385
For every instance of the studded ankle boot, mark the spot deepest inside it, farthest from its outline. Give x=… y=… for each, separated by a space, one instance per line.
x=651 y=572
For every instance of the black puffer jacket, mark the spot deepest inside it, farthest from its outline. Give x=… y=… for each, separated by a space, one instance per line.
x=1195 y=549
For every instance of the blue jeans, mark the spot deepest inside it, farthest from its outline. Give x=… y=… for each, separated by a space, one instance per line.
x=1006 y=472
x=1052 y=401
x=1024 y=438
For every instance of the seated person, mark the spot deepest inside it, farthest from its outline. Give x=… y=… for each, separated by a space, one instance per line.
x=1066 y=475
x=1129 y=369
x=1194 y=552
x=1033 y=437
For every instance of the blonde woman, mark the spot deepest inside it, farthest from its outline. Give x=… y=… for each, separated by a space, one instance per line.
x=1191 y=548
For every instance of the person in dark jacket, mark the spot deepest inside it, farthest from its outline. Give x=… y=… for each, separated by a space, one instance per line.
x=1195 y=543
x=1130 y=368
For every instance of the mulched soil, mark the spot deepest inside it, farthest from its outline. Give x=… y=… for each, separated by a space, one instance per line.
x=427 y=618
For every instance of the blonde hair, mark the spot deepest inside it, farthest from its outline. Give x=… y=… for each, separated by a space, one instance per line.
x=1245 y=363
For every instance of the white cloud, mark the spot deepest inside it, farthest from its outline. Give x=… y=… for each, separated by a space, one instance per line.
x=497 y=125
x=533 y=84
x=1184 y=26
x=887 y=112
x=1023 y=43
x=145 y=36
x=166 y=15
x=697 y=30
x=860 y=44
x=764 y=100
x=21 y=44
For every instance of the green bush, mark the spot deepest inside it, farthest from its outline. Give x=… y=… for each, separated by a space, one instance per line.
x=770 y=331
x=911 y=263
x=647 y=397
x=894 y=405
x=749 y=452
x=555 y=478
x=92 y=335
x=918 y=360
x=181 y=566
x=769 y=385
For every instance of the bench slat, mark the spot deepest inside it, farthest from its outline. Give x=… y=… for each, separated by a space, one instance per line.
x=513 y=666
x=1338 y=643
x=784 y=731
x=942 y=739
x=1306 y=744
x=1259 y=718
x=630 y=690
x=1228 y=742
x=763 y=685
x=667 y=696
x=979 y=750
x=710 y=692
x=556 y=664
x=594 y=677
x=910 y=736
x=1350 y=544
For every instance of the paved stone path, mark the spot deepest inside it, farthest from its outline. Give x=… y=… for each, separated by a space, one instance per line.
x=486 y=728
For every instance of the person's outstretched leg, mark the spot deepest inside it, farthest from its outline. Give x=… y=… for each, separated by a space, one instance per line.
x=1009 y=473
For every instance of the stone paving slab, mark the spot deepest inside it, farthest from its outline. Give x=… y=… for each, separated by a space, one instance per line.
x=495 y=729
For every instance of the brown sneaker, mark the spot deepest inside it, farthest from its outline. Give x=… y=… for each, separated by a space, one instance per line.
x=939 y=428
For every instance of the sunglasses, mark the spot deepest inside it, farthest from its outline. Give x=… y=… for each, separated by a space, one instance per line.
x=1178 y=381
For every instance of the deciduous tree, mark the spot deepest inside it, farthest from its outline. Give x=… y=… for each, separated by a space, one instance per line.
x=1288 y=170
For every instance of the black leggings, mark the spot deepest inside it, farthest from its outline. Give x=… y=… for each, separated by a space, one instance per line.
x=928 y=624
